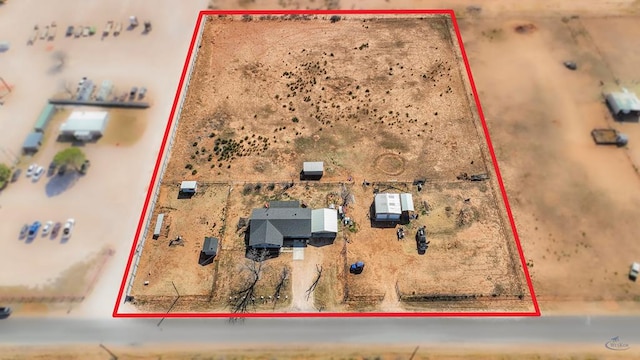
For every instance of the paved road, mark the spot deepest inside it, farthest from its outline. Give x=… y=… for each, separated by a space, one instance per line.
x=547 y=330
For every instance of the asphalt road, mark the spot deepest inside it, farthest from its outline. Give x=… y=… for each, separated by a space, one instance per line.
x=543 y=330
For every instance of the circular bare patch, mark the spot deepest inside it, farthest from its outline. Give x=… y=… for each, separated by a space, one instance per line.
x=390 y=164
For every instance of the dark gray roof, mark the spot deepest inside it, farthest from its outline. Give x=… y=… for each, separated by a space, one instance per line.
x=273 y=225
x=284 y=204
x=210 y=245
x=33 y=141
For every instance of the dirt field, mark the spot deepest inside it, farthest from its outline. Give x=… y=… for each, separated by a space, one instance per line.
x=374 y=105
x=258 y=352
x=258 y=121
x=575 y=203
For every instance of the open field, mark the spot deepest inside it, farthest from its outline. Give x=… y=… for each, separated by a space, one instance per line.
x=106 y=201
x=375 y=105
x=424 y=128
x=262 y=352
x=575 y=203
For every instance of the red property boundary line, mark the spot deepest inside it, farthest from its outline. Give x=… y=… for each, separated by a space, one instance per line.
x=201 y=15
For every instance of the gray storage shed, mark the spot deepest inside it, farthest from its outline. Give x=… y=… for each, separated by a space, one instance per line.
x=210 y=246
x=32 y=143
x=312 y=169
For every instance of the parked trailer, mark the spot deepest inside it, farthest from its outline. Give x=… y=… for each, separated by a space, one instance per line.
x=52 y=31
x=117 y=29
x=609 y=137
x=44 y=32
x=107 y=28
x=34 y=35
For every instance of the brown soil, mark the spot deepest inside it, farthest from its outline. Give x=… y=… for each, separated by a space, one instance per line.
x=258 y=121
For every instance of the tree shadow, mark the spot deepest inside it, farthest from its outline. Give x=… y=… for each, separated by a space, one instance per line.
x=60 y=183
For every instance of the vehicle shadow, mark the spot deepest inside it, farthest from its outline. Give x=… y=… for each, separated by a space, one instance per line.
x=30 y=239
x=60 y=183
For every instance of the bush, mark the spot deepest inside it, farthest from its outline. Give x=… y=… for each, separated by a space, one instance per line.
x=5 y=175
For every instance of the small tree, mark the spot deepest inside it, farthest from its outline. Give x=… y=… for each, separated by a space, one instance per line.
x=5 y=174
x=72 y=156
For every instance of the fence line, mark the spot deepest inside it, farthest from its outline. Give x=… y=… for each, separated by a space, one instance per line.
x=167 y=151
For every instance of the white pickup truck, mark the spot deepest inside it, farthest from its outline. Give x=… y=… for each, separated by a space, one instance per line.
x=635 y=269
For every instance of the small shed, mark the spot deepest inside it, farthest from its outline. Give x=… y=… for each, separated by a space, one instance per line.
x=210 y=246
x=406 y=202
x=32 y=143
x=188 y=187
x=623 y=103
x=158 y=228
x=312 y=170
x=387 y=207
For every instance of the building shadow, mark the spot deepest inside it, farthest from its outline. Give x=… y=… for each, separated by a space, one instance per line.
x=185 y=195
x=321 y=242
x=204 y=259
x=58 y=184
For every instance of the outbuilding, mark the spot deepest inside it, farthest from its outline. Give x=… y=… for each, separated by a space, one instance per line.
x=85 y=125
x=210 y=246
x=158 y=229
x=312 y=170
x=44 y=118
x=623 y=103
x=188 y=187
x=391 y=207
x=32 y=143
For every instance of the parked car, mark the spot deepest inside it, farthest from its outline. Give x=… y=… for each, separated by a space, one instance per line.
x=47 y=228
x=633 y=272
x=421 y=240
x=24 y=231
x=52 y=169
x=62 y=170
x=38 y=173
x=142 y=93
x=31 y=169
x=5 y=312
x=69 y=31
x=16 y=175
x=132 y=93
x=55 y=230
x=68 y=226
x=33 y=229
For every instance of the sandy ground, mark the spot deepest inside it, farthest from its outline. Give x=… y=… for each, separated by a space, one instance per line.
x=330 y=351
x=303 y=274
x=106 y=216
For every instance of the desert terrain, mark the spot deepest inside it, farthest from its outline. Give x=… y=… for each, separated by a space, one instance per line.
x=313 y=352
x=318 y=95
x=573 y=202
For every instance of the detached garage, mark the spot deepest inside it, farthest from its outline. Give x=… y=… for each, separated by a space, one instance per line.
x=312 y=170
x=324 y=223
x=85 y=125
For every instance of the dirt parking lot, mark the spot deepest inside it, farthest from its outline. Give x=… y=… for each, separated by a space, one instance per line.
x=312 y=111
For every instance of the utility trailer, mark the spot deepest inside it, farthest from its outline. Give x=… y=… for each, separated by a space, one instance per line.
x=107 y=29
x=609 y=137
x=44 y=33
x=52 y=31
x=34 y=35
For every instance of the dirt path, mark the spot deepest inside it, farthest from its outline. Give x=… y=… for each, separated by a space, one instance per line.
x=303 y=274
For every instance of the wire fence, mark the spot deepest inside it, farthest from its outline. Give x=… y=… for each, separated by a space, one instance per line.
x=167 y=151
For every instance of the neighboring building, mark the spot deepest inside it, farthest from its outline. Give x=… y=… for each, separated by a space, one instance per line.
x=44 y=118
x=188 y=187
x=85 y=125
x=391 y=207
x=283 y=222
x=210 y=246
x=32 y=143
x=623 y=103
x=105 y=91
x=312 y=170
